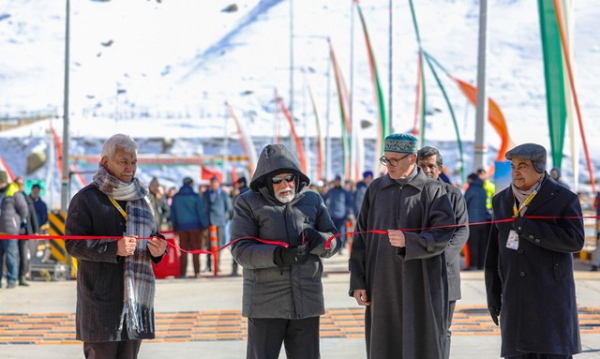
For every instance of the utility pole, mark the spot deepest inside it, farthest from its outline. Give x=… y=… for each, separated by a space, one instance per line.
x=353 y=125
x=482 y=100
x=291 y=103
x=390 y=76
x=64 y=190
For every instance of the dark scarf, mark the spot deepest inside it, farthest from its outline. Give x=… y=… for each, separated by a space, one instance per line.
x=138 y=306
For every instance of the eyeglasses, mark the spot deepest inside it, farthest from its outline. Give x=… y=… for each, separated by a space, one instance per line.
x=288 y=178
x=391 y=161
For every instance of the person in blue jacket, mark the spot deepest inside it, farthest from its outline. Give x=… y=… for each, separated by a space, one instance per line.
x=476 y=198
x=218 y=207
x=190 y=222
x=339 y=205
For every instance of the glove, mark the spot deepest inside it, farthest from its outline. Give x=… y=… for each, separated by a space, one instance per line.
x=312 y=237
x=494 y=313
x=284 y=257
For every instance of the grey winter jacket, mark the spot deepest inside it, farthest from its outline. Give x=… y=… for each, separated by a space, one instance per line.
x=295 y=291
x=13 y=208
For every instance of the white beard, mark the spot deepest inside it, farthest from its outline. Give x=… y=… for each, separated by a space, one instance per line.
x=285 y=198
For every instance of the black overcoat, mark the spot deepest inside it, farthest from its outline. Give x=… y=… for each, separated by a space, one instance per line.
x=100 y=273
x=407 y=287
x=534 y=285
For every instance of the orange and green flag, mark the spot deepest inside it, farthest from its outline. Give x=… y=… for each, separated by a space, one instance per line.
x=382 y=123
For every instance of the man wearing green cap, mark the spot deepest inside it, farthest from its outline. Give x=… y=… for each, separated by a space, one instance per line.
x=401 y=277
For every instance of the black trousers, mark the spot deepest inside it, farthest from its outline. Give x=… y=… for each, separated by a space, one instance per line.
x=300 y=337
x=126 y=349
x=451 y=308
x=23 y=261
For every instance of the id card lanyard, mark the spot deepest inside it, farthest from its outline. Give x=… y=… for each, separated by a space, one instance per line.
x=118 y=207
x=526 y=202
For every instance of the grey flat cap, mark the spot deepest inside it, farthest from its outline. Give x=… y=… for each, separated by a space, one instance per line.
x=530 y=151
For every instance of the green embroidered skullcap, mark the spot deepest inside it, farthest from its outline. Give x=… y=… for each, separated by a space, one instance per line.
x=400 y=143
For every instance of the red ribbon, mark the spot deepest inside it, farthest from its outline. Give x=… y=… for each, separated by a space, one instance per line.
x=279 y=243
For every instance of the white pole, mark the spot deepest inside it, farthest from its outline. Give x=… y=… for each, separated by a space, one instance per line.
x=479 y=160
x=306 y=138
x=353 y=127
x=328 y=129
x=291 y=103
x=226 y=148
x=65 y=160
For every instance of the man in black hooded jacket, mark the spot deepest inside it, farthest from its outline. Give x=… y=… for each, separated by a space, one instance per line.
x=286 y=227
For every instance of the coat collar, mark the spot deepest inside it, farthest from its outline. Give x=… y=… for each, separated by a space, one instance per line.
x=418 y=182
x=549 y=190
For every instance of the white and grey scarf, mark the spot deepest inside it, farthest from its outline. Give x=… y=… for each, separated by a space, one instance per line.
x=521 y=195
x=138 y=306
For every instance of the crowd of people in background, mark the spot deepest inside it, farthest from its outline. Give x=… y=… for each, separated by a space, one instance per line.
x=21 y=213
x=192 y=208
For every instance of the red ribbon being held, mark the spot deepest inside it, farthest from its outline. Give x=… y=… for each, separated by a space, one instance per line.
x=280 y=243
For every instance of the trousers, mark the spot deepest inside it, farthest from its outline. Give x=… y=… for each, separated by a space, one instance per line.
x=299 y=336
x=126 y=349
x=189 y=240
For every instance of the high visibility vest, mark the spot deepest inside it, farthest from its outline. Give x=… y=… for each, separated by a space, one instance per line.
x=490 y=189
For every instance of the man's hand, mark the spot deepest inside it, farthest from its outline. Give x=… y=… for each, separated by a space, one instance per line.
x=361 y=297
x=284 y=257
x=157 y=244
x=494 y=313
x=126 y=246
x=312 y=237
x=397 y=238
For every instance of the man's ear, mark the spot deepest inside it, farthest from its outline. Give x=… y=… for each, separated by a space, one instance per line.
x=104 y=161
x=413 y=158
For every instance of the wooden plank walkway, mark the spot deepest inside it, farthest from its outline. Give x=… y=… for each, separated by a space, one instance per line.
x=59 y=328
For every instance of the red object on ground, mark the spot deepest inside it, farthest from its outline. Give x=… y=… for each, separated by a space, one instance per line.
x=169 y=266
x=214 y=247
x=467 y=254
x=349 y=235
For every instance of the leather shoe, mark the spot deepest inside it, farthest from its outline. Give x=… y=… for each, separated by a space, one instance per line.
x=11 y=285
x=23 y=282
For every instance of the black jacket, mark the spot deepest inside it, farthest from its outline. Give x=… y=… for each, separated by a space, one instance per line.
x=534 y=285
x=99 y=269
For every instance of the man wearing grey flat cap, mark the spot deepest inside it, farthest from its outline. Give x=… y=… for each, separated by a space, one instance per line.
x=529 y=262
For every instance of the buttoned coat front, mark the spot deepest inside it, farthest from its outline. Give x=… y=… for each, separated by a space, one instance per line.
x=534 y=285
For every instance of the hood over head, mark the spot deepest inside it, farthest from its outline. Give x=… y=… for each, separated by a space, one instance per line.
x=273 y=160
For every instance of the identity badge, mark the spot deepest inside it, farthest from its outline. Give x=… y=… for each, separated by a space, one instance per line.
x=513 y=240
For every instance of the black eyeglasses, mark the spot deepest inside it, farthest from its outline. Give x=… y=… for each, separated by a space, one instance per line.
x=391 y=161
x=288 y=178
